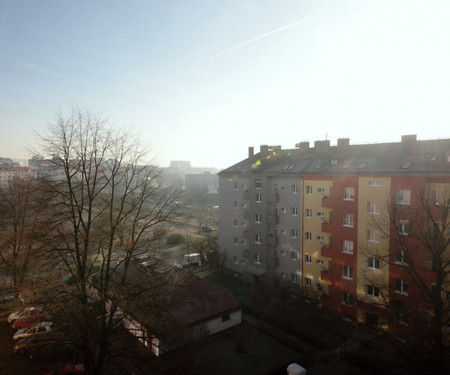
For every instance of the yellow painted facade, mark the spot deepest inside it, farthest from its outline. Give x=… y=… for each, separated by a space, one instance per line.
x=314 y=215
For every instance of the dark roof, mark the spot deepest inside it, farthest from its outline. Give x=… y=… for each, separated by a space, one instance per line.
x=194 y=300
x=406 y=157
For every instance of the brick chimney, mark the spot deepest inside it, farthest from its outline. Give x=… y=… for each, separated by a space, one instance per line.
x=321 y=146
x=264 y=149
x=302 y=147
x=409 y=138
x=343 y=144
x=251 y=152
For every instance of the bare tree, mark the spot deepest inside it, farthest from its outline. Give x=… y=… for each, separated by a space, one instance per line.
x=108 y=205
x=23 y=224
x=417 y=291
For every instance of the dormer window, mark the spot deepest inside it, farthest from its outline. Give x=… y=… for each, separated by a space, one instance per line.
x=361 y=165
x=406 y=165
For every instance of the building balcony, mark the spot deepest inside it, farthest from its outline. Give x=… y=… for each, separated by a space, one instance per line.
x=273 y=240
x=273 y=197
x=273 y=219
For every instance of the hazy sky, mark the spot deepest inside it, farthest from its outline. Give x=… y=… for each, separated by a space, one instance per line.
x=202 y=80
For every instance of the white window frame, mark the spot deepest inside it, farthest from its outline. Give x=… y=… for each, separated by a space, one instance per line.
x=308 y=282
x=236 y=204
x=347 y=246
x=308 y=236
x=403 y=197
x=294 y=211
x=308 y=258
x=258 y=183
x=349 y=194
x=258 y=197
x=348 y=220
x=347 y=272
x=373 y=236
x=373 y=263
x=236 y=223
x=321 y=190
x=309 y=189
x=400 y=257
x=403 y=227
x=258 y=239
x=294 y=255
x=372 y=291
x=308 y=213
x=401 y=286
x=294 y=233
x=258 y=218
x=347 y=299
x=372 y=208
x=257 y=258
x=294 y=189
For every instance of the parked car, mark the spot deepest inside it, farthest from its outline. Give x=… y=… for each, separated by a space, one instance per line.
x=31 y=320
x=36 y=329
x=23 y=313
x=34 y=343
x=207 y=228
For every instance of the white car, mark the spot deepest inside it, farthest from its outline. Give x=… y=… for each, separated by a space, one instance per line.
x=38 y=328
x=29 y=311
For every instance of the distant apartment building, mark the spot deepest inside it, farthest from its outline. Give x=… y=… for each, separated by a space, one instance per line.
x=9 y=171
x=202 y=188
x=317 y=217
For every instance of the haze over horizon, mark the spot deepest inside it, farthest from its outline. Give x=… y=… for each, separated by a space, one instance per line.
x=202 y=81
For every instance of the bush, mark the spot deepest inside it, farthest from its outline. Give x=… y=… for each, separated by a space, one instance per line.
x=175 y=239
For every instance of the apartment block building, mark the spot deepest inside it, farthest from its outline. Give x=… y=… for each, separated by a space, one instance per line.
x=323 y=218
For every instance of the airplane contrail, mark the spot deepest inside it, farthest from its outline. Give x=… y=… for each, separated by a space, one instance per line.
x=266 y=34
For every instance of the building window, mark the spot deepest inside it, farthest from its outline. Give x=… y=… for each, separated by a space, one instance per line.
x=294 y=211
x=235 y=241
x=347 y=272
x=294 y=189
x=236 y=204
x=308 y=282
x=320 y=238
x=372 y=208
x=403 y=197
x=349 y=194
x=400 y=257
x=373 y=183
x=373 y=236
x=308 y=213
x=283 y=253
x=321 y=190
x=403 y=227
x=242 y=261
x=258 y=218
x=283 y=210
x=235 y=186
x=347 y=299
x=348 y=220
x=283 y=275
x=258 y=183
x=283 y=231
x=373 y=263
x=257 y=258
x=258 y=238
x=294 y=255
x=308 y=236
x=294 y=233
x=309 y=190
x=373 y=291
x=320 y=214
x=401 y=286
x=308 y=258
x=258 y=197
x=319 y=262
x=235 y=259
x=225 y=318
x=236 y=223
x=347 y=246
x=319 y=286
x=294 y=277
